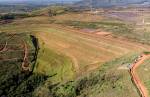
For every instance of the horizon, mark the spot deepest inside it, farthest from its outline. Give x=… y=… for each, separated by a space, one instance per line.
x=36 y=0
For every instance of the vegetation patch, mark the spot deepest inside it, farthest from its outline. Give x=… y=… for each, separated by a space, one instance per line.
x=51 y=11
x=146 y=52
x=14 y=81
x=51 y=63
x=116 y=27
x=102 y=82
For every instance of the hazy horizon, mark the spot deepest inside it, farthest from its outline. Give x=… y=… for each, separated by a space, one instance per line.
x=45 y=2
x=35 y=0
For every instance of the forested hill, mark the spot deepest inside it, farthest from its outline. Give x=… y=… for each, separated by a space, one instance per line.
x=37 y=2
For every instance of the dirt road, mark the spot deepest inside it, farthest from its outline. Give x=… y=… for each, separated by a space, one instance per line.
x=25 y=64
x=142 y=89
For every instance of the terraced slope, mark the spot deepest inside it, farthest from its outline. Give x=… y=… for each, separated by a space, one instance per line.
x=87 y=50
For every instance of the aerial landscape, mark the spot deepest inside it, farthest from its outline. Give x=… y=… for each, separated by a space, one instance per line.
x=74 y=48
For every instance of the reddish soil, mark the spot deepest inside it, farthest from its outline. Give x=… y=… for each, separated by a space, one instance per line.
x=135 y=77
x=103 y=33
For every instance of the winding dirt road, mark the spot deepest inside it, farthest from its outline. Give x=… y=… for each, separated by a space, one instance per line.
x=142 y=89
x=25 y=64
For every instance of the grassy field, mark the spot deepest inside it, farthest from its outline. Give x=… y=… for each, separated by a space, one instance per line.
x=109 y=80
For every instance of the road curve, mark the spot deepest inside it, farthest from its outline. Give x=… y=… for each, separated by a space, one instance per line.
x=142 y=89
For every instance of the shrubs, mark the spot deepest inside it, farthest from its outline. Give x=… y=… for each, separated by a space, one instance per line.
x=11 y=16
x=82 y=85
x=7 y=17
x=21 y=84
x=146 y=52
x=101 y=81
x=64 y=90
x=14 y=82
x=29 y=84
x=116 y=27
x=56 y=10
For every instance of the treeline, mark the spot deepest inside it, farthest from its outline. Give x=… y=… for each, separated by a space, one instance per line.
x=48 y=11
x=18 y=8
x=10 y=16
x=57 y=10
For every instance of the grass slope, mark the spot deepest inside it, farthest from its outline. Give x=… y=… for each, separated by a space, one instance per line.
x=51 y=63
x=108 y=81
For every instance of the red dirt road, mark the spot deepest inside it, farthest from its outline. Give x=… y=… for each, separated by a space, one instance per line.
x=142 y=89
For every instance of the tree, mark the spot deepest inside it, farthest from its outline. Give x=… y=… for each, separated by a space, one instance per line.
x=7 y=17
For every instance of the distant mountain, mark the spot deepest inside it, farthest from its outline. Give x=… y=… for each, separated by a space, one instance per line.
x=110 y=3
x=36 y=2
